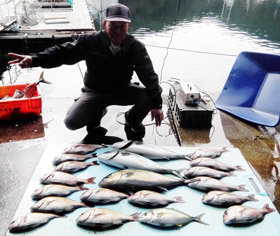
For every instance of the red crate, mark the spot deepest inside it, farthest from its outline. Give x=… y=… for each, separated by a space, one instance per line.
x=21 y=107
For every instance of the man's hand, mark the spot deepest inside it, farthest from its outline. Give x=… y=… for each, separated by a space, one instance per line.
x=23 y=60
x=157 y=115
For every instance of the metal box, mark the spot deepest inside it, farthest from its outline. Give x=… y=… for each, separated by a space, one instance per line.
x=195 y=116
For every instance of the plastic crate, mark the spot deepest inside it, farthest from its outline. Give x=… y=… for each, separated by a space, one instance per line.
x=22 y=107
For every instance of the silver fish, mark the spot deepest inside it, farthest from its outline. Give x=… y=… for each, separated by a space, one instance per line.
x=30 y=221
x=151 y=198
x=221 y=198
x=204 y=171
x=150 y=151
x=134 y=180
x=71 y=157
x=18 y=94
x=58 y=205
x=104 y=218
x=165 y=217
x=58 y=177
x=244 y=214
x=74 y=166
x=55 y=190
x=123 y=160
x=215 y=164
x=208 y=184
x=102 y=195
x=82 y=149
x=208 y=152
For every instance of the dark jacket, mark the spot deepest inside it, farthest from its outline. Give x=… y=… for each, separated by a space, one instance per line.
x=105 y=72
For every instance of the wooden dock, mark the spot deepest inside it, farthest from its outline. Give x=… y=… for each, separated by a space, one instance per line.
x=42 y=24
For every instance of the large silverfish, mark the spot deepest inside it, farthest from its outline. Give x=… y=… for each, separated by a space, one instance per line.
x=150 y=151
x=134 y=180
x=124 y=160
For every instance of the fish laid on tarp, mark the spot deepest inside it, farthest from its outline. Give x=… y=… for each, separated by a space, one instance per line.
x=150 y=198
x=104 y=218
x=123 y=160
x=204 y=171
x=71 y=157
x=208 y=184
x=58 y=177
x=134 y=180
x=225 y=199
x=74 y=166
x=215 y=164
x=236 y=215
x=208 y=152
x=150 y=151
x=165 y=217
x=30 y=221
x=102 y=195
x=58 y=205
x=55 y=190
x=82 y=149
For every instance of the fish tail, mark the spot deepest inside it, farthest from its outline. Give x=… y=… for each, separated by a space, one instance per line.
x=94 y=163
x=268 y=209
x=179 y=200
x=135 y=216
x=91 y=180
x=251 y=197
x=177 y=173
x=187 y=181
x=188 y=157
x=241 y=187
x=231 y=173
x=225 y=149
x=198 y=219
x=81 y=186
x=239 y=168
x=42 y=79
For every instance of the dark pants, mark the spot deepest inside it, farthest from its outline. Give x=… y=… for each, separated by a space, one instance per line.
x=88 y=109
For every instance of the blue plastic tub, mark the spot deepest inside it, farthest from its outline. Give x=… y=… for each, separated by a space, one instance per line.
x=252 y=90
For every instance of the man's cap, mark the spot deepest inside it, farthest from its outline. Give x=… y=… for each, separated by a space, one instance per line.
x=118 y=12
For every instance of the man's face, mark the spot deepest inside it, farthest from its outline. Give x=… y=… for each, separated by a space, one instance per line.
x=116 y=30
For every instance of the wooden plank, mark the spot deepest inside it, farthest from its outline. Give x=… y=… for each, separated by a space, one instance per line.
x=77 y=18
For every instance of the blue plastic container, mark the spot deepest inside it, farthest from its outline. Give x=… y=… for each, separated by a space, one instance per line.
x=252 y=90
